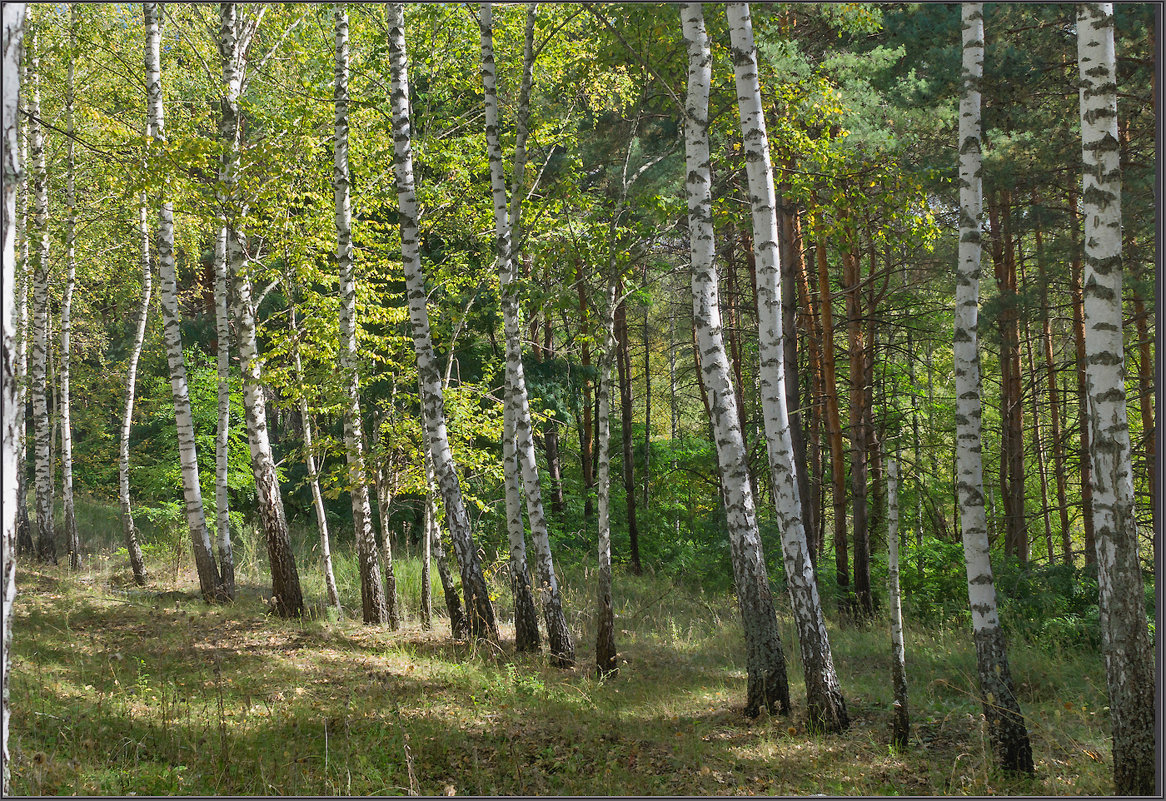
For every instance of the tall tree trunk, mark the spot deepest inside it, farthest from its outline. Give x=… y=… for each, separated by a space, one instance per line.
x=459 y=625
x=901 y=724
x=833 y=419
x=765 y=661
x=285 y=579
x=1037 y=442
x=384 y=498
x=372 y=594
x=1054 y=399
x=624 y=377
x=1086 y=454
x=11 y=38
x=508 y=228
x=645 y=481
x=429 y=378
x=858 y=455
x=826 y=708
x=210 y=582
x=586 y=432
x=24 y=543
x=72 y=537
x=815 y=533
x=1129 y=662
x=129 y=531
x=526 y=637
x=605 y=653
x=46 y=539
x=1006 y=727
x=551 y=432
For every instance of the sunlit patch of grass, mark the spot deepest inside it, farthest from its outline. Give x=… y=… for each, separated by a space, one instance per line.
x=117 y=690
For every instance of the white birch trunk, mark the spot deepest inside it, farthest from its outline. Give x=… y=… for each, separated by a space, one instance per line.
x=1001 y=711
x=826 y=708
x=372 y=592
x=24 y=544
x=507 y=228
x=605 y=653
x=210 y=582
x=129 y=531
x=768 y=685
x=384 y=498
x=46 y=540
x=481 y=611
x=11 y=40
x=526 y=636
x=72 y=538
x=901 y=724
x=458 y=625
x=285 y=579
x=1129 y=662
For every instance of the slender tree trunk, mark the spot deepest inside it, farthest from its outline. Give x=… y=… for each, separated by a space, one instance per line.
x=210 y=582
x=1037 y=441
x=1054 y=399
x=526 y=636
x=1006 y=727
x=624 y=377
x=1129 y=661
x=811 y=323
x=647 y=473
x=11 y=37
x=429 y=378
x=46 y=539
x=858 y=436
x=285 y=579
x=1086 y=455
x=551 y=432
x=508 y=227
x=586 y=435
x=833 y=420
x=605 y=653
x=901 y=724
x=384 y=498
x=426 y=575
x=765 y=661
x=129 y=531
x=72 y=536
x=24 y=543
x=458 y=623
x=825 y=705
x=372 y=594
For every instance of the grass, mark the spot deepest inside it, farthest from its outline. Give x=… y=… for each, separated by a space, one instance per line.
x=117 y=690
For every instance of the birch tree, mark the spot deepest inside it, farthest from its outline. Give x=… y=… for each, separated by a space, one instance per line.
x=1129 y=663
x=72 y=538
x=24 y=543
x=458 y=624
x=605 y=653
x=129 y=531
x=765 y=660
x=209 y=579
x=901 y=724
x=372 y=593
x=517 y=407
x=11 y=45
x=825 y=705
x=1006 y=727
x=478 y=605
x=46 y=540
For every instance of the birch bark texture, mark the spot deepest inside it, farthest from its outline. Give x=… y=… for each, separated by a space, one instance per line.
x=459 y=626
x=901 y=721
x=1006 y=727
x=24 y=544
x=826 y=708
x=1129 y=664
x=479 y=608
x=605 y=653
x=11 y=454
x=209 y=579
x=372 y=592
x=768 y=685
x=129 y=530
x=72 y=537
x=46 y=538
x=517 y=406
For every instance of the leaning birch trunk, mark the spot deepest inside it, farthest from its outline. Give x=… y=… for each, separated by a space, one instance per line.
x=901 y=723
x=507 y=227
x=481 y=610
x=826 y=707
x=372 y=592
x=129 y=531
x=1129 y=662
x=285 y=579
x=768 y=685
x=46 y=540
x=1006 y=727
x=313 y=475
x=11 y=38
x=24 y=544
x=605 y=653
x=459 y=627
x=210 y=583
x=72 y=538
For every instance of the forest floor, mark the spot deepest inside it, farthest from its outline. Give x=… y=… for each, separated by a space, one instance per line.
x=152 y=692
